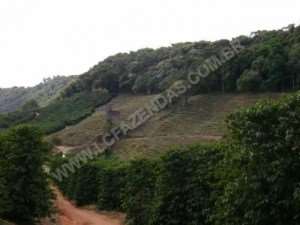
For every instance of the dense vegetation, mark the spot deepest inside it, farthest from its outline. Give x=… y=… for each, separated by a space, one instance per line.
x=11 y=99
x=270 y=62
x=57 y=115
x=251 y=178
x=25 y=195
x=263 y=173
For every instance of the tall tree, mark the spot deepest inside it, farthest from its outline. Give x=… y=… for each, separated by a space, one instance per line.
x=25 y=196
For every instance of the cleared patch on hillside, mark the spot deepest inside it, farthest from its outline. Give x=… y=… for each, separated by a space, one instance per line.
x=91 y=128
x=201 y=120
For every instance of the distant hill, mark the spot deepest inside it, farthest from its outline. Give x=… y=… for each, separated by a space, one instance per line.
x=11 y=99
x=270 y=62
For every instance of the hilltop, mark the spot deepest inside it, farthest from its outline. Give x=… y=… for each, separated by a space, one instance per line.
x=269 y=62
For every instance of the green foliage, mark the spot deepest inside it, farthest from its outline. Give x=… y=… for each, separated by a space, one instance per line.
x=294 y=65
x=138 y=192
x=177 y=188
x=66 y=185
x=98 y=182
x=269 y=62
x=57 y=115
x=185 y=186
x=26 y=113
x=12 y=99
x=31 y=105
x=273 y=55
x=25 y=195
x=265 y=187
x=69 y=111
x=111 y=181
x=86 y=187
x=252 y=178
x=269 y=125
x=249 y=81
x=16 y=118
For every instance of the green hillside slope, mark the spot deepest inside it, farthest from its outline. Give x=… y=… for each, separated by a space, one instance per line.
x=269 y=62
x=12 y=99
x=58 y=114
x=203 y=119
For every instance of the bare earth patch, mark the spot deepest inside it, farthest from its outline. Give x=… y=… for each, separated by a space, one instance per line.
x=69 y=214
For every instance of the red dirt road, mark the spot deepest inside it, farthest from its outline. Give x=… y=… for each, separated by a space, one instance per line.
x=71 y=215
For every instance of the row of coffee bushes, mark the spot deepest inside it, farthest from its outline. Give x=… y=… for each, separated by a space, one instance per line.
x=251 y=178
x=98 y=182
x=177 y=187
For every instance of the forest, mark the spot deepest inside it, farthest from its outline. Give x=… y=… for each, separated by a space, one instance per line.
x=268 y=63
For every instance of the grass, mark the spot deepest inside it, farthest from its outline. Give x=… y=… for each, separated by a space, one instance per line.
x=202 y=120
x=94 y=126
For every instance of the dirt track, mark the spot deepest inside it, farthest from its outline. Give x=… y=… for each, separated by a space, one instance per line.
x=71 y=215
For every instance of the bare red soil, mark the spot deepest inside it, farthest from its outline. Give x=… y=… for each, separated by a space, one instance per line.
x=69 y=214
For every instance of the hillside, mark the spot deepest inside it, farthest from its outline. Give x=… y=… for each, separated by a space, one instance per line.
x=251 y=177
x=60 y=113
x=201 y=120
x=11 y=99
x=269 y=62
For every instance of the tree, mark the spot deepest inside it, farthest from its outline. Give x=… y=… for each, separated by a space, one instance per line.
x=30 y=106
x=294 y=65
x=249 y=81
x=22 y=157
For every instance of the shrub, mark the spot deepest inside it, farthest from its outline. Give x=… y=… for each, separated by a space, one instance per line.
x=249 y=81
x=86 y=184
x=265 y=188
x=97 y=182
x=138 y=192
x=186 y=186
x=111 y=180
x=25 y=196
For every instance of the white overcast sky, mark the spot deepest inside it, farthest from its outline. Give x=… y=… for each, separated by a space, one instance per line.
x=42 y=38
